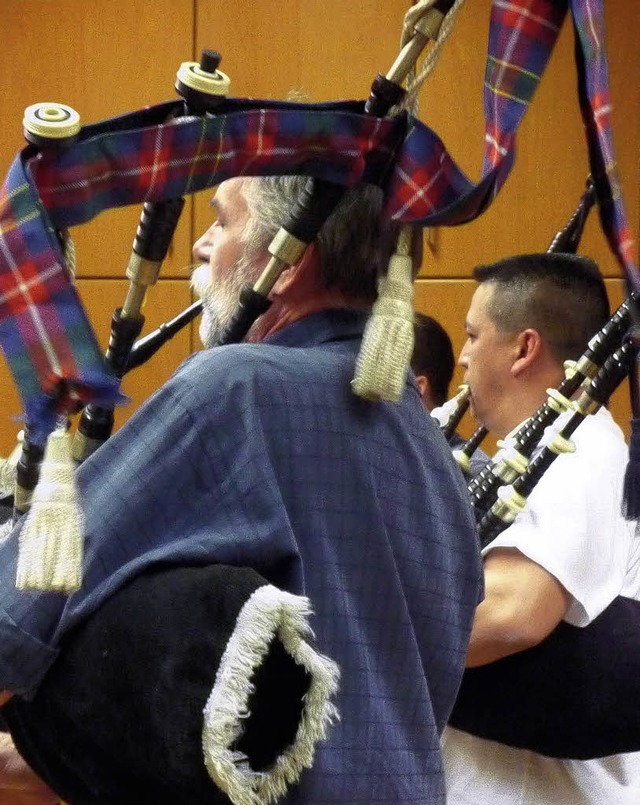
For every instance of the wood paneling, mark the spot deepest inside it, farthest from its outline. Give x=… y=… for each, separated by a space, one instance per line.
x=326 y=50
x=108 y=58
x=103 y=59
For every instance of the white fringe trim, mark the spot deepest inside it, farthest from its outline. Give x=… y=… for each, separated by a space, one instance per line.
x=268 y=614
x=50 y=546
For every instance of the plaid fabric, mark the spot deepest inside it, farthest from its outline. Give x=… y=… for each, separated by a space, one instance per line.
x=44 y=331
x=595 y=105
x=156 y=154
x=150 y=161
x=426 y=185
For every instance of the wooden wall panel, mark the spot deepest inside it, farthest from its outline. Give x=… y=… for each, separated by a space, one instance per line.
x=107 y=58
x=103 y=59
x=328 y=51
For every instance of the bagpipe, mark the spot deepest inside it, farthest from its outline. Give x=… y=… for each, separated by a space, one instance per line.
x=68 y=175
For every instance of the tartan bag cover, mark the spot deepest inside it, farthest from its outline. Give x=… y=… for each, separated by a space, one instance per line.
x=154 y=154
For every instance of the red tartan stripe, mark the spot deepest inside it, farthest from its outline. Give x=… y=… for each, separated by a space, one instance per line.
x=538 y=20
x=53 y=180
x=150 y=173
x=421 y=191
x=497 y=145
x=263 y=140
x=19 y=289
x=601 y=105
x=158 y=155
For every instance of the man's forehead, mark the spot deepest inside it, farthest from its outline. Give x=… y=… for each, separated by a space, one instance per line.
x=230 y=193
x=480 y=299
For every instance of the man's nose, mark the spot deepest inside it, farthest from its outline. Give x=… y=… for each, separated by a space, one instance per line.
x=462 y=357
x=199 y=250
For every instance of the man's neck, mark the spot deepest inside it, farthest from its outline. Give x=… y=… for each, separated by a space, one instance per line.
x=281 y=313
x=527 y=399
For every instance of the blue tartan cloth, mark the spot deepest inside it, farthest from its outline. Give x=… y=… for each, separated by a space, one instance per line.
x=260 y=455
x=157 y=154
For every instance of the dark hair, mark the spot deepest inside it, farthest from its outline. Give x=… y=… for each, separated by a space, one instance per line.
x=433 y=356
x=354 y=244
x=562 y=296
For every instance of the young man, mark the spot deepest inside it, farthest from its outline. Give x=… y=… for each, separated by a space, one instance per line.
x=259 y=454
x=570 y=553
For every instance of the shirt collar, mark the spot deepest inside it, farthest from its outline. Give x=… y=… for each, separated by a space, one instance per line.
x=318 y=328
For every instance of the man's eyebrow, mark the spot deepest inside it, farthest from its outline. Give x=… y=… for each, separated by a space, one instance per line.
x=214 y=203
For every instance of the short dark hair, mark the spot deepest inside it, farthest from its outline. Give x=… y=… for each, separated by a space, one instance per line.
x=433 y=356
x=354 y=244
x=562 y=296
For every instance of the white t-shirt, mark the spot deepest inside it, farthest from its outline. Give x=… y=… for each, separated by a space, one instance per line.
x=573 y=527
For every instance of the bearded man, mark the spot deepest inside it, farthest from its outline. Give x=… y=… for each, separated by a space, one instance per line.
x=258 y=454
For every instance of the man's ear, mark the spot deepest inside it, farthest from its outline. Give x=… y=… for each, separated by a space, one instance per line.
x=528 y=347
x=295 y=273
x=425 y=391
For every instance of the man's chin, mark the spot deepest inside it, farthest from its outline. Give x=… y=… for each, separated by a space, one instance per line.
x=473 y=411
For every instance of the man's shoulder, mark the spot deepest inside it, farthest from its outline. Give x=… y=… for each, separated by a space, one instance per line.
x=262 y=366
x=230 y=362
x=600 y=436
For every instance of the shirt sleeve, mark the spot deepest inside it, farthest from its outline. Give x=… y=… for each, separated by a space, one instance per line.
x=185 y=480
x=573 y=527
x=27 y=624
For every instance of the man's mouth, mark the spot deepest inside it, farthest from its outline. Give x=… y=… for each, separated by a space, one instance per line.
x=200 y=279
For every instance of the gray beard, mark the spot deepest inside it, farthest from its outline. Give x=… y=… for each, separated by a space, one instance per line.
x=220 y=302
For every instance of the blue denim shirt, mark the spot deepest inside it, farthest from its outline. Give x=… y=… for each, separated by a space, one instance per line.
x=261 y=455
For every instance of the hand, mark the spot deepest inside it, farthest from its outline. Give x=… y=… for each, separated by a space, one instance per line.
x=19 y=785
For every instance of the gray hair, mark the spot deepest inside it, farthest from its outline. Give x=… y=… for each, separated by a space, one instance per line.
x=354 y=245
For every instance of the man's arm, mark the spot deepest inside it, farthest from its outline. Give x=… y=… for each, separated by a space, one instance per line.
x=523 y=604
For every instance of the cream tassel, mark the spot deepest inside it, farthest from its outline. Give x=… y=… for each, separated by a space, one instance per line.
x=387 y=344
x=50 y=546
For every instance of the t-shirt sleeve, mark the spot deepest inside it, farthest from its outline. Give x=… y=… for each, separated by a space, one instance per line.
x=573 y=527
